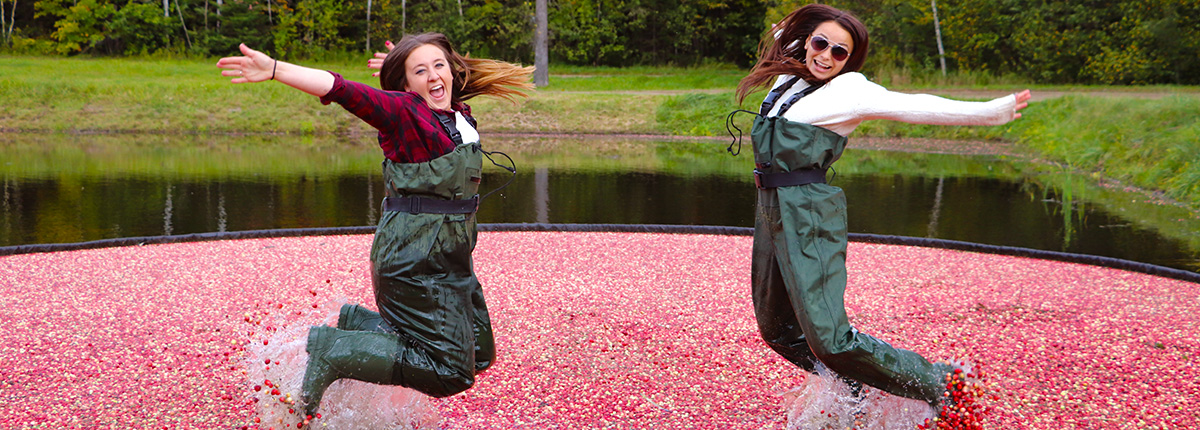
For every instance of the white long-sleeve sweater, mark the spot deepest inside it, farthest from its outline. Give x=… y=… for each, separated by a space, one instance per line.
x=849 y=99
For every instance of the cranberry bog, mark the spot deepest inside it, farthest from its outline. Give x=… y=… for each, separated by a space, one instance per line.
x=593 y=330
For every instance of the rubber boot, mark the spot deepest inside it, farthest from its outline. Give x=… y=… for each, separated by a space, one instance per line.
x=334 y=354
x=355 y=317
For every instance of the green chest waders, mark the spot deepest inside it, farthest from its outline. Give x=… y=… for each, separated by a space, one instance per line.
x=423 y=276
x=435 y=332
x=799 y=262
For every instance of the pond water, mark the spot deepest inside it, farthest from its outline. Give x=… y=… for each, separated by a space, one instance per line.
x=59 y=189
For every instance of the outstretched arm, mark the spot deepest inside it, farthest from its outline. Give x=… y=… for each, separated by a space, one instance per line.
x=255 y=66
x=877 y=102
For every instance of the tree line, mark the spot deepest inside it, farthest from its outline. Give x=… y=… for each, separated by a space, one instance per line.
x=1047 y=41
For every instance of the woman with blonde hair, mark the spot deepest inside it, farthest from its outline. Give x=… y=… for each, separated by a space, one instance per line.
x=432 y=332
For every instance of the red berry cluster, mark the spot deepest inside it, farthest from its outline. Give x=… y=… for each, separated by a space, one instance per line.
x=962 y=407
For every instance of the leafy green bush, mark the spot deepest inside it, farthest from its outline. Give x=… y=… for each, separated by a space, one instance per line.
x=141 y=28
x=81 y=24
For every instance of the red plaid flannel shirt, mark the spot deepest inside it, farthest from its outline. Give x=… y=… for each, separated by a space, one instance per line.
x=408 y=130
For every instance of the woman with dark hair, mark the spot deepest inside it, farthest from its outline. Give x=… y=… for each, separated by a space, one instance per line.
x=799 y=256
x=432 y=332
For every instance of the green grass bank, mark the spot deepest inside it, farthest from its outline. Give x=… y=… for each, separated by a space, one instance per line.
x=1147 y=137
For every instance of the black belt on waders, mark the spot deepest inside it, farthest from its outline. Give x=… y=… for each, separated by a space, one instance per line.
x=426 y=205
x=764 y=180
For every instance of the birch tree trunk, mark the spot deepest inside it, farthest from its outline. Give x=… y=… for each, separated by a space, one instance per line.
x=541 y=45
x=368 y=26
x=167 y=8
x=186 y=36
x=12 y=19
x=3 y=23
x=937 y=29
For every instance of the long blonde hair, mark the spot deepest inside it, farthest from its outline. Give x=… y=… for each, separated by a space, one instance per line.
x=472 y=76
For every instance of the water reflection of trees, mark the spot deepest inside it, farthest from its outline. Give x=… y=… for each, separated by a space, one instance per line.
x=110 y=188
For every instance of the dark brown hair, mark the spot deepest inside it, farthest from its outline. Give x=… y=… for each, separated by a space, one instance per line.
x=778 y=56
x=472 y=76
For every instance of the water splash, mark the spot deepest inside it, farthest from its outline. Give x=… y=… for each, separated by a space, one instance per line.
x=825 y=402
x=275 y=362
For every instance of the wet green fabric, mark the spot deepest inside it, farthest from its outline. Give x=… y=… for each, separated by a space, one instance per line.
x=355 y=317
x=423 y=275
x=334 y=354
x=799 y=269
x=424 y=282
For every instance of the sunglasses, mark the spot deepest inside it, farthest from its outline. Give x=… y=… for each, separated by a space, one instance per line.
x=839 y=52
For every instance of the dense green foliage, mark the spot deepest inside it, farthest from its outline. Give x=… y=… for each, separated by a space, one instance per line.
x=1047 y=41
x=1050 y=41
x=589 y=32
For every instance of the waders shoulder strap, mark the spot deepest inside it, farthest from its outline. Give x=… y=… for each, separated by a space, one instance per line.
x=448 y=125
x=762 y=111
x=774 y=95
x=767 y=104
x=795 y=97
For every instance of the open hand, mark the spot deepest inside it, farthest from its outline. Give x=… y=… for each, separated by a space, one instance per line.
x=1022 y=102
x=254 y=66
x=377 y=62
